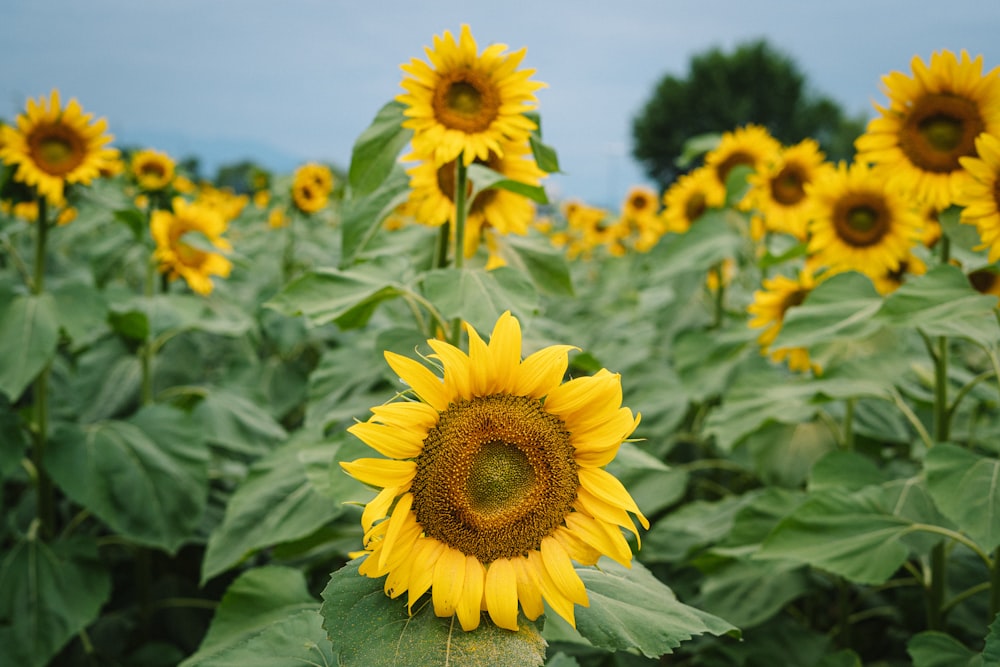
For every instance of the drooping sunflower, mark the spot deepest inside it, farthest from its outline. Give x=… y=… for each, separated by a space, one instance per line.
x=311 y=187
x=778 y=189
x=152 y=170
x=179 y=258
x=689 y=197
x=768 y=309
x=494 y=482
x=52 y=146
x=931 y=122
x=432 y=195
x=465 y=102
x=981 y=193
x=751 y=146
x=859 y=223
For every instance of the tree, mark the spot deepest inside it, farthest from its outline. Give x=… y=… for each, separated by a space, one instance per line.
x=753 y=84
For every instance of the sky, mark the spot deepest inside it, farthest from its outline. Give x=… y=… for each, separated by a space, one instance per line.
x=287 y=82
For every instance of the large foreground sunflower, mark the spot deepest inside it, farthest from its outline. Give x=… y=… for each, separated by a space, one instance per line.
x=859 y=223
x=981 y=194
x=493 y=482
x=52 y=146
x=932 y=121
x=465 y=102
x=180 y=258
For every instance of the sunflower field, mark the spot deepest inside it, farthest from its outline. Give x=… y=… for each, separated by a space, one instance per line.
x=417 y=413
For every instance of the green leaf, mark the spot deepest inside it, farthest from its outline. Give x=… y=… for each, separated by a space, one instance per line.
x=82 y=313
x=942 y=303
x=29 y=333
x=845 y=470
x=13 y=438
x=146 y=478
x=632 y=609
x=134 y=219
x=706 y=365
x=131 y=324
x=991 y=652
x=368 y=629
x=346 y=297
x=363 y=214
x=936 y=649
x=537 y=257
x=694 y=525
x=545 y=156
x=839 y=308
x=375 y=150
x=255 y=601
x=848 y=533
x=966 y=487
x=483 y=178
x=713 y=238
x=748 y=593
x=696 y=146
x=479 y=296
x=292 y=641
x=50 y=593
x=651 y=483
x=274 y=504
x=237 y=424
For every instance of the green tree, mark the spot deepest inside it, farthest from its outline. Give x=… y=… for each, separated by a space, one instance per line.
x=753 y=84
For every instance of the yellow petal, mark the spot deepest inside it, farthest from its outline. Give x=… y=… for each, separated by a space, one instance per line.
x=557 y=601
x=501 y=593
x=471 y=599
x=606 y=486
x=542 y=371
x=381 y=472
x=481 y=364
x=409 y=415
x=427 y=386
x=505 y=348
x=456 y=369
x=426 y=553
x=388 y=441
x=377 y=507
x=449 y=577
x=529 y=591
x=584 y=394
x=560 y=568
x=607 y=539
x=397 y=522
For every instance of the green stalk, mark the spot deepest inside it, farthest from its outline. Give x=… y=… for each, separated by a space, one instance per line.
x=288 y=255
x=939 y=559
x=441 y=249
x=995 y=585
x=461 y=183
x=849 y=425
x=146 y=354
x=46 y=493
x=720 y=296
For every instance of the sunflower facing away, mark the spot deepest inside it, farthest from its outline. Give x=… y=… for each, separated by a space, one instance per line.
x=52 y=146
x=981 y=194
x=768 y=310
x=465 y=102
x=859 y=223
x=493 y=481
x=180 y=258
x=932 y=121
x=152 y=170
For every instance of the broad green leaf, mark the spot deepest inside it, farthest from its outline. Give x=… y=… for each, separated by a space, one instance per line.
x=936 y=649
x=545 y=156
x=146 y=478
x=693 y=525
x=754 y=521
x=537 y=257
x=696 y=146
x=747 y=593
x=710 y=240
x=991 y=652
x=845 y=470
x=346 y=297
x=131 y=324
x=839 y=308
x=479 y=296
x=737 y=183
x=237 y=424
x=362 y=214
x=51 y=591
x=942 y=303
x=965 y=245
x=339 y=383
x=783 y=454
x=483 y=178
x=632 y=609
x=274 y=504
x=376 y=149
x=294 y=640
x=843 y=658
x=107 y=382
x=848 y=533
x=173 y=313
x=706 y=365
x=966 y=486
x=134 y=219
x=256 y=600
x=29 y=332
x=82 y=313
x=368 y=629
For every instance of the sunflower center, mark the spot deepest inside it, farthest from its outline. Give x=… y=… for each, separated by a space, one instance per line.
x=788 y=187
x=56 y=149
x=983 y=280
x=861 y=220
x=466 y=101
x=695 y=206
x=496 y=475
x=939 y=130
x=736 y=159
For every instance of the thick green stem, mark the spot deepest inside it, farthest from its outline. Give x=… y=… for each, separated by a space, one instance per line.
x=995 y=586
x=720 y=297
x=935 y=591
x=939 y=557
x=461 y=184
x=146 y=353
x=941 y=413
x=46 y=492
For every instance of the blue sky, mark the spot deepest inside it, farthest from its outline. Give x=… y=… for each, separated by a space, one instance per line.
x=286 y=82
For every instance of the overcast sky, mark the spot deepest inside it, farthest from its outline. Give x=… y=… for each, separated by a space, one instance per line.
x=299 y=80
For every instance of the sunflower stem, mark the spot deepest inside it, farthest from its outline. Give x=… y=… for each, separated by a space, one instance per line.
x=935 y=602
x=461 y=183
x=720 y=297
x=146 y=354
x=46 y=498
x=995 y=585
x=288 y=254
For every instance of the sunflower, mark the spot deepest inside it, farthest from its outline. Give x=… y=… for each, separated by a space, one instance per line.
x=152 y=170
x=466 y=103
x=180 y=258
x=768 y=310
x=778 y=189
x=311 y=187
x=981 y=194
x=859 y=223
x=494 y=482
x=985 y=281
x=432 y=194
x=52 y=146
x=224 y=200
x=689 y=197
x=751 y=146
x=890 y=281
x=932 y=121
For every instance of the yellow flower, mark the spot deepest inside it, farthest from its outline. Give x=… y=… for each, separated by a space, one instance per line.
x=152 y=170
x=768 y=310
x=932 y=121
x=981 y=194
x=277 y=219
x=493 y=481
x=750 y=146
x=66 y=216
x=689 y=197
x=311 y=187
x=183 y=258
x=52 y=146
x=225 y=201
x=859 y=223
x=465 y=102
x=985 y=281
